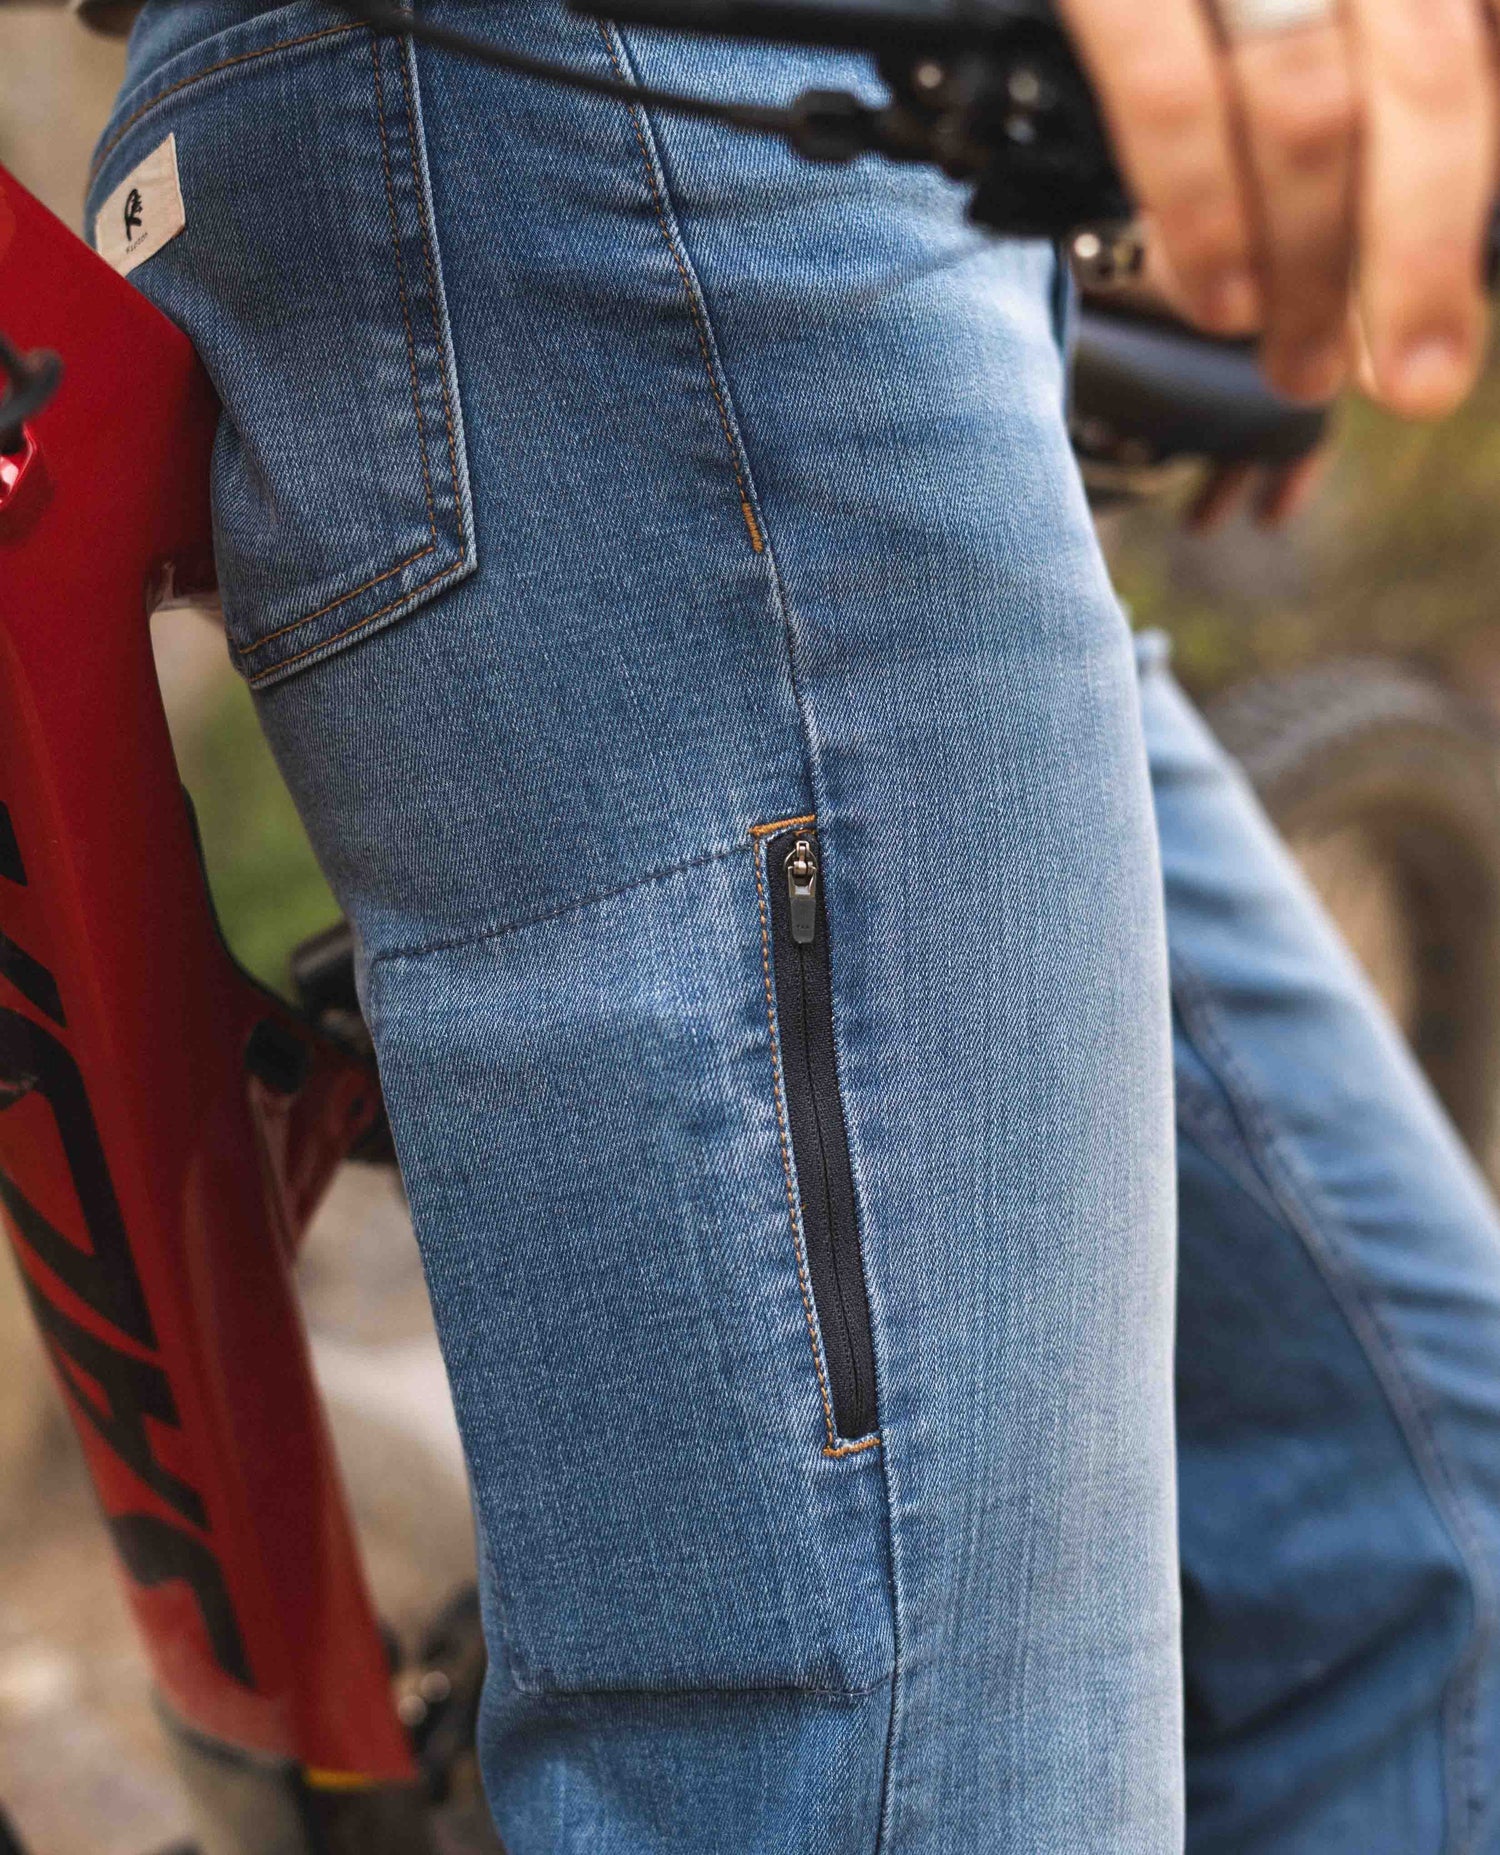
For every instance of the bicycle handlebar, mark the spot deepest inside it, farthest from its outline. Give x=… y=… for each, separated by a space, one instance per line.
x=988 y=91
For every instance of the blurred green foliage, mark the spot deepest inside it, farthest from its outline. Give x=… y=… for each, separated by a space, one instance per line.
x=266 y=884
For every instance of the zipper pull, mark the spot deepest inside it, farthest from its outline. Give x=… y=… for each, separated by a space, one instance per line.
x=802 y=891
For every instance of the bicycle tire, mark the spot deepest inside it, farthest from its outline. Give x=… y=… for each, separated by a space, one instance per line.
x=1384 y=784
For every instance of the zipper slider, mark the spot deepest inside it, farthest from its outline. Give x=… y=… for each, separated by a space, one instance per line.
x=802 y=891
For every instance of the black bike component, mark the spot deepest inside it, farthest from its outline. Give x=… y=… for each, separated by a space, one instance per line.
x=1013 y=114
x=264 y=1803
x=765 y=119
x=438 y=1699
x=1147 y=391
x=989 y=92
x=323 y=973
x=29 y=381
x=277 y=1058
x=820 y=1145
x=936 y=28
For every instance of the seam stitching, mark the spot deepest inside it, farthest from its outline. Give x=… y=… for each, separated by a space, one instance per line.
x=747 y=509
x=198 y=77
x=421 y=949
x=499 y=930
x=529 y=1684
x=1297 y=1195
x=782 y=824
x=429 y=264
x=250 y=650
x=1211 y=1126
x=285 y=663
x=296 y=624
x=834 y=1449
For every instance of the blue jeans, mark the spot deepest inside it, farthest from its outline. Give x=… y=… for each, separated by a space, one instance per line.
x=671 y=599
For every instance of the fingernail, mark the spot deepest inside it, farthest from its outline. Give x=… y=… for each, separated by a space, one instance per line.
x=1232 y=302
x=1432 y=371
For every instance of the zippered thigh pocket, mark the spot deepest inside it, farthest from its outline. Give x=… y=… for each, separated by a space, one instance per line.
x=820 y=1179
x=594 y=1146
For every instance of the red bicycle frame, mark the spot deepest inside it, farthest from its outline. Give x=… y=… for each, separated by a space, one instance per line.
x=166 y=1126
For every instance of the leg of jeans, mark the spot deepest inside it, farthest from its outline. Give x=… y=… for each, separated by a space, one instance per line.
x=1338 y=1368
x=775 y=517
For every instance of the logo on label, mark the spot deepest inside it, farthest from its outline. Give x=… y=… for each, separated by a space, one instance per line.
x=144 y=213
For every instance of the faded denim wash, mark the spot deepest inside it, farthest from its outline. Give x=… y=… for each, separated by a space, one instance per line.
x=595 y=492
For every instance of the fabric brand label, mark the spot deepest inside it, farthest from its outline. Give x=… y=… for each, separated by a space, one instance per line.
x=143 y=213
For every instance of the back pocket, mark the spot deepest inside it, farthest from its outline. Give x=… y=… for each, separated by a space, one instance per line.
x=307 y=274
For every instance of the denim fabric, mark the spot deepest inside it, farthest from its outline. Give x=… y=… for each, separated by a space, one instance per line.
x=337 y=510
x=1338 y=1371
x=751 y=501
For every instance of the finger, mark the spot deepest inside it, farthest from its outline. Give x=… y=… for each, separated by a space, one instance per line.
x=1298 y=101
x=1428 y=171
x=1287 y=492
x=1359 y=348
x=1158 y=286
x=1163 y=89
x=1218 y=498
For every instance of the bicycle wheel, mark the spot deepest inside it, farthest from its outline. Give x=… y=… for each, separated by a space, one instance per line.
x=1385 y=786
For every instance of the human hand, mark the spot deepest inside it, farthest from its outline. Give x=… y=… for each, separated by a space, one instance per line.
x=1322 y=177
x=1270 y=496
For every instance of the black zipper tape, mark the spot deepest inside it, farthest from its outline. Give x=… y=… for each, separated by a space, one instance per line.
x=820 y=1143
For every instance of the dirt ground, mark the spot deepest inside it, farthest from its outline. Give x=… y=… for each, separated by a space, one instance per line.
x=83 y=1769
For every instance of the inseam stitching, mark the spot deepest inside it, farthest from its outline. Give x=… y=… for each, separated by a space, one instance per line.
x=695 y=309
